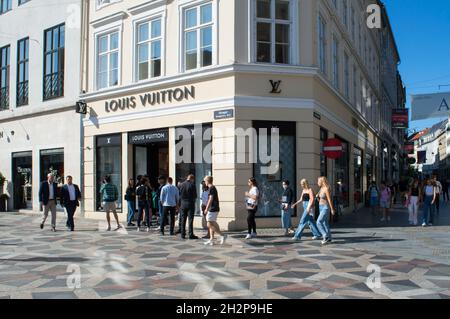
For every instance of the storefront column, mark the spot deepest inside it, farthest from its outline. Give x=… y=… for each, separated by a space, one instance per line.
x=127 y=172
x=172 y=154
x=88 y=190
x=36 y=169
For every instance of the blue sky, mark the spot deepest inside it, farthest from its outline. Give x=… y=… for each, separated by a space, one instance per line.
x=422 y=32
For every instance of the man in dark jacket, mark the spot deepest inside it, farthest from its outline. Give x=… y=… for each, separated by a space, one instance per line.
x=47 y=198
x=188 y=196
x=70 y=199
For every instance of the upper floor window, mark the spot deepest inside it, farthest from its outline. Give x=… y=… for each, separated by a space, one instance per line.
x=335 y=54
x=102 y=3
x=22 y=72
x=54 y=51
x=4 y=77
x=346 y=75
x=353 y=26
x=149 y=38
x=345 y=13
x=5 y=6
x=108 y=60
x=322 y=44
x=273 y=31
x=23 y=1
x=198 y=36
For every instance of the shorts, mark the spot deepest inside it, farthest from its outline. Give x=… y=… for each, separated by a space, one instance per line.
x=212 y=216
x=373 y=201
x=384 y=204
x=109 y=207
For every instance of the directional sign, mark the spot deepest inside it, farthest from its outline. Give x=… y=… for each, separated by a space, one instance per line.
x=333 y=148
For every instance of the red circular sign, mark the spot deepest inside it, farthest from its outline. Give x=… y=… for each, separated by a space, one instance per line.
x=333 y=148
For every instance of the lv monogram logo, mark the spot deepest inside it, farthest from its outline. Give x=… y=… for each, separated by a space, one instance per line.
x=275 y=87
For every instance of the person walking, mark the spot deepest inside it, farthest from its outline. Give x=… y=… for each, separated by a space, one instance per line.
x=143 y=193
x=307 y=198
x=47 y=198
x=205 y=195
x=286 y=209
x=385 y=202
x=170 y=197
x=70 y=200
x=251 y=200
x=438 y=186
x=414 y=196
x=188 y=196
x=212 y=210
x=162 y=182
x=374 y=194
x=445 y=186
x=325 y=207
x=428 y=199
x=110 y=195
x=130 y=197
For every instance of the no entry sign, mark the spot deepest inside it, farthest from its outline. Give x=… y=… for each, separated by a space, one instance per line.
x=333 y=148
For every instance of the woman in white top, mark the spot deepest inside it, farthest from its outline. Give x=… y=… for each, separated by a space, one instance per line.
x=252 y=197
x=429 y=199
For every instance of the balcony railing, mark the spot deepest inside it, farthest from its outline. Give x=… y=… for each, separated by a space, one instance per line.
x=22 y=93
x=4 y=98
x=53 y=85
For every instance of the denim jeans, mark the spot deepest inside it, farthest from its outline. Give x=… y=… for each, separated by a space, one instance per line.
x=286 y=215
x=131 y=211
x=322 y=221
x=307 y=219
x=143 y=205
x=428 y=210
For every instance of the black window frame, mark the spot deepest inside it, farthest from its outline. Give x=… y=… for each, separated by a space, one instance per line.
x=323 y=138
x=4 y=91
x=21 y=2
x=57 y=78
x=22 y=89
x=8 y=8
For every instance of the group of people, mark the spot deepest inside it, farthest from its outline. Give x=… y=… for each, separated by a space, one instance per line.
x=413 y=193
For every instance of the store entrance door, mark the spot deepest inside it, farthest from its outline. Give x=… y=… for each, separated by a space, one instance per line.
x=22 y=180
x=151 y=154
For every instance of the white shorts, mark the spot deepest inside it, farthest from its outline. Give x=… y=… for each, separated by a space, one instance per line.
x=212 y=216
x=109 y=207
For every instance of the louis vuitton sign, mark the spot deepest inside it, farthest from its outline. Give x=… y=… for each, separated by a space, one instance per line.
x=151 y=99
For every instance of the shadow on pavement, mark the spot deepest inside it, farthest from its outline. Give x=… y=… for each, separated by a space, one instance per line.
x=49 y=259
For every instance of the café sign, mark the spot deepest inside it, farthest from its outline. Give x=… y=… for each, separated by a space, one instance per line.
x=151 y=99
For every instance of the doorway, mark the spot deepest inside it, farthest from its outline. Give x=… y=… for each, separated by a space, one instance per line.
x=22 y=166
x=152 y=160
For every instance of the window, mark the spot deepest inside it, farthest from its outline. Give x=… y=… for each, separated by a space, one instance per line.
x=355 y=85
x=22 y=178
x=358 y=174
x=198 y=37
x=4 y=78
x=323 y=158
x=342 y=172
x=108 y=60
x=273 y=31
x=23 y=2
x=149 y=49
x=22 y=72
x=103 y=3
x=345 y=13
x=54 y=62
x=52 y=162
x=322 y=45
x=346 y=75
x=352 y=17
x=5 y=6
x=335 y=63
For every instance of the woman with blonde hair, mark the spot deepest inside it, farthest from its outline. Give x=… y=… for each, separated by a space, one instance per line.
x=325 y=206
x=307 y=198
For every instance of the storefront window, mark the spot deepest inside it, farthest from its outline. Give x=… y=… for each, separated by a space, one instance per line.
x=342 y=176
x=52 y=162
x=22 y=165
x=369 y=169
x=197 y=168
x=270 y=186
x=109 y=162
x=323 y=158
x=357 y=164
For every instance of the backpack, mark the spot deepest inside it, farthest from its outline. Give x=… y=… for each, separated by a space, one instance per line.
x=141 y=193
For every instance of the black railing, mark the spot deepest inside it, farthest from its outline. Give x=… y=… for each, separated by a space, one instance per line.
x=4 y=98
x=53 y=85
x=22 y=93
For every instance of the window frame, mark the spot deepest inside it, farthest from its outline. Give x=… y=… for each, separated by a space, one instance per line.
x=7 y=68
x=9 y=6
x=52 y=51
x=294 y=55
x=322 y=51
x=185 y=5
x=26 y=62
x=97 y=36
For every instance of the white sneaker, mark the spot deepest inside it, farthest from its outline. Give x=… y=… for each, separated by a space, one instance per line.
x=248 y=236
x=209 y=243
x=138 y=229
x=295 y=239
x=223 y=239
x=254 y=235
x=315 y=238
x=148 y=229
x=424 y=225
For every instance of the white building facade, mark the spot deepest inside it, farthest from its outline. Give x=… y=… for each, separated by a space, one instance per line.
x=40 y=132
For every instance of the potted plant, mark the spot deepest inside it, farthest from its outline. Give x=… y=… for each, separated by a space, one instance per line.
x=3 y=197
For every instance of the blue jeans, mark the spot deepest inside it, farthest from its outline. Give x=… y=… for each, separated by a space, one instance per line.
x=143 y=205
x=161 y=212
x=307 y=219
x=322 y=221
x=428 y=210
x=286 y=222
x=131 y=211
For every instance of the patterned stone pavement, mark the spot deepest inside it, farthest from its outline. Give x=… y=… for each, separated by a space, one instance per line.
x=34 y=263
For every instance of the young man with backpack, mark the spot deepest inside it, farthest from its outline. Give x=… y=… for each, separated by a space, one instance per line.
x=374 y=194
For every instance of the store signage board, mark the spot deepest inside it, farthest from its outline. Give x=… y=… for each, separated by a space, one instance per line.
x=400 y=118
x=428 y=106
x=142 y=138
x=112 y=140
x=224 y=114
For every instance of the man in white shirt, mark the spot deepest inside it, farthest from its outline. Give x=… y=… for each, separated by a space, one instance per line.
x=70 y=199
x=438 y=193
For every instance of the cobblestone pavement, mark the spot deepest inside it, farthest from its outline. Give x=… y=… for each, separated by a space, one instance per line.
x=414 y=262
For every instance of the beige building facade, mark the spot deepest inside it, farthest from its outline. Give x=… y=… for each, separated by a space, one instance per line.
x=309 y=70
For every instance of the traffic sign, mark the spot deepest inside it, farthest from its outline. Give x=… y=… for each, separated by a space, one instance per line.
x=333 y=148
